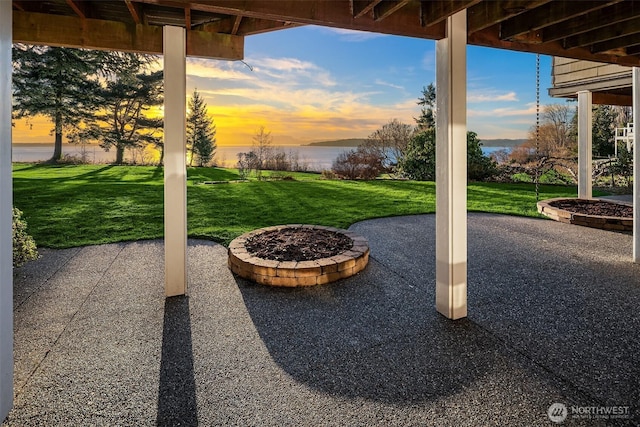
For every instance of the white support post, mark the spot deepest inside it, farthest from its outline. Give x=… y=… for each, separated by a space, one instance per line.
x=636 y=165
x=175 y=170
x=451 y=169
x=6 y=213
x=585 y=168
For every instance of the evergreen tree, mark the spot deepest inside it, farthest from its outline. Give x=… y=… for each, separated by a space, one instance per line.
x=427 y=101
x=201 y=131
x=126 y=97
x=603 y=126
x=58 y=83
x=419 y=161
x=603 y=129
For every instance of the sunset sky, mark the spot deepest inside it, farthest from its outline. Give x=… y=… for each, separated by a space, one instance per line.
x=312 y=83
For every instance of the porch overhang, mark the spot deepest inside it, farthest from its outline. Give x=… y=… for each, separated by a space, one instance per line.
x=603 y=31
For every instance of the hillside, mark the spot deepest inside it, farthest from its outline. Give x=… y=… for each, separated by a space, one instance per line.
x=501 y=142
x=351 y=142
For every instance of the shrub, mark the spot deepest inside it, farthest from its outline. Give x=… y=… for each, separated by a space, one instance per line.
x=623 y=165
x=328 y=174
x=24 y=247
x=479 y=166
x=419 y=161
x=358 y=164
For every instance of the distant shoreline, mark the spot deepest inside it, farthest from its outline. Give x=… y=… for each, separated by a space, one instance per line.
x=509 y=143
x=354 y=142
x=350 y=142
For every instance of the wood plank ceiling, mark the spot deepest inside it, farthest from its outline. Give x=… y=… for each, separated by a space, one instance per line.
x=603 y=30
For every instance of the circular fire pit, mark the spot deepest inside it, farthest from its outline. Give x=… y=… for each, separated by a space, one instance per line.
x=298 y=255
x=594 y=213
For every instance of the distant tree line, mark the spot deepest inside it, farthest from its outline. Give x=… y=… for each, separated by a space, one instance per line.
x=264 y=156
x=549 y=153
x=408 y=151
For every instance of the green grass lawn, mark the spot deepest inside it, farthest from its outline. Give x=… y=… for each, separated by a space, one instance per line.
x=69 y=205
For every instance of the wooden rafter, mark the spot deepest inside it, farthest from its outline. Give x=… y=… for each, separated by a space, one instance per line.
x=488 y=13
x=385 y=9
x=617 y=43
x=633 y=50
x=489 y=38
x=359 y=8
x=598 y=30
x=18 y=5
x=551 y=13
x=80 y=8
x=617 y=13
x=433 y=12
x=335 y=13
x=601 y=35
x=135 y=10
x=236 y=24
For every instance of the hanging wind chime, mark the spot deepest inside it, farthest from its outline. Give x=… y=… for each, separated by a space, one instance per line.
x=537 y=171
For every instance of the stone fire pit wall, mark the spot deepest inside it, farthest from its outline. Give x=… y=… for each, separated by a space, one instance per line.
x=298 y=273
x=545 y=207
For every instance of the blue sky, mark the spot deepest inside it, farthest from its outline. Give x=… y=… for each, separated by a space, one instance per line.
x=313 y=83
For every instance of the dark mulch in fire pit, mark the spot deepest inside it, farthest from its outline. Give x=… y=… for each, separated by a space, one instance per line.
x=298 y=244
x=594 y=207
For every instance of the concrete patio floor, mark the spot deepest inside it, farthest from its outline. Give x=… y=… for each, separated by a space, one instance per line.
x=553 y=317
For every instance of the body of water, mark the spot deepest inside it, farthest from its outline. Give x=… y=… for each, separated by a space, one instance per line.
x=313 y=157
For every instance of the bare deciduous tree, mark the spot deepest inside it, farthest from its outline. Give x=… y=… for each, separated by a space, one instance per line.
x=389 y=142
x=556 y=118
x=262 y=141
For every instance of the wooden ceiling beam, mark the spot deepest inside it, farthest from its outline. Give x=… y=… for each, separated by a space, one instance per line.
x=385 y=9
x=187 y=18
x=359 y=8
x=603 y=34
x=223 y=26
x=488 y=13
x=135 y=9
x=607 y=98
x=432 y=12
x=618 y=12
x=216 y=46
x=247 y=26
x=489 y=37
x=544 y=16
x=336 y=13
x=70 y=31
x=604 y=98
x=617 y=43
x=633 y=50
x=251 y=27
